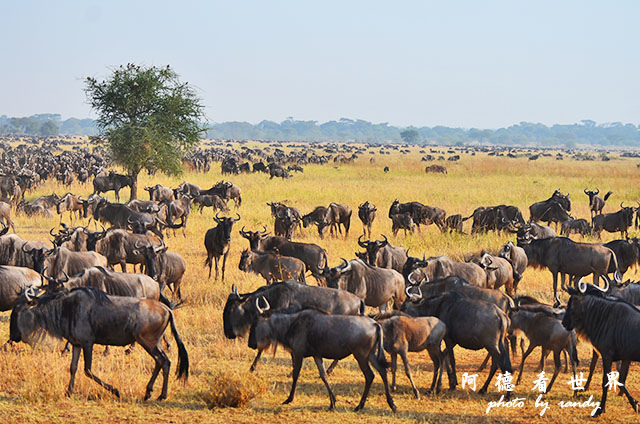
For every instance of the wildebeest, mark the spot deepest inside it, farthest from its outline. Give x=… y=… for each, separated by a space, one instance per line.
x=186 y=188
x=313 y=256
x=402 y=221
x=534 y=230
x=403 y=334
x=499 y=273
x=627 y=253
x=110 y=182
x=165 y=267
x=381 y=254
x=121 y=247
x=436 y=169
x=376 y=286
x=340 y=215
x=160 y=193
x=577 y=226
x=86 y=316
x=367 y=214
x=471 y=323
x=217 y=241
x=285 y=222
x=61 y=260
x=14 y=280
x=517 y=257
x=121 y=216
x=278 y=171
x=312 y=333
x=147 y=206
x=546 y=211
x=453 y=223
x=421 y=214
x=179 y=208
x=70 y=203
x=260 y=167
x=443 y=266
x=611 y=326
x=211 y=201
x=596 y=203
x=272 y=267
x=5 y=216
x=617 y=221
x=319 y=216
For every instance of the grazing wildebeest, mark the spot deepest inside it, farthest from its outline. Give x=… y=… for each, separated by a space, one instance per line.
x=403 y=334
x=376 y=286
x=240 y=311
x=339 y=215
x=381 y=254
x=611 y=325
x=546 y=211
x=295 y=168
x=313 y=256
x=5 y=216
x=217 y=241
x=453 y=223
x=186 y=188
x=211 y=201
x=596 y=203
x=14 y=280
x=367 y=214
x=617 y=221
x=272 y=267
x=260 y=167
x=244 y=168
x=278 y=171
x=86 y=316
x=311 y=333
x=436 y=169
x=320 y=217
x=421 y=214
x=471 y=323
x=110 y=182
x=576 y=226
x=627 y=253
x=160 y=193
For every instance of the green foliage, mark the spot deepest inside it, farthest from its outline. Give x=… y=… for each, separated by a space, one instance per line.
x=147 y=117
x=410 y=136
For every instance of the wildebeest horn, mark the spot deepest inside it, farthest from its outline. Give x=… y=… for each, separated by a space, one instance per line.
x=621 y=204
x=607 y=284
x=363 y=243
x=386 y=240
x=243 y=233
x=266 y=305
x=346 y=267
x=51 y=232
x=597 y=190
x=234 y=290
x=582 y=286
x=411 y=280
x=25 y=251
x=237 y=219
x=217 y=218
x=136 y=245
x=414 y=296
x=66 y=277
x=28 y=293
x=586 y=191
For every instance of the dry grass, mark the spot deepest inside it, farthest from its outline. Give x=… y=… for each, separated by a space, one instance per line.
x=33 y=379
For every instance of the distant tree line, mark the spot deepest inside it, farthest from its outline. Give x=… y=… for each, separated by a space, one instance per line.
x=349 y=130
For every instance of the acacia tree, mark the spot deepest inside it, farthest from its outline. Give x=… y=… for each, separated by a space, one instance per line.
x=147 y=118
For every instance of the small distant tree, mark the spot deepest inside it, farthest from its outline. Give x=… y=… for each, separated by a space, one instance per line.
x=147 y=118
x=410 y=136
x=49 y=128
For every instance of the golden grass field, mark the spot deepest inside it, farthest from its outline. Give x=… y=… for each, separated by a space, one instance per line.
x=33 y=379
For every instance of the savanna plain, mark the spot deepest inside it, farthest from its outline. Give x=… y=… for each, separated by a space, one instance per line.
x=33 y=378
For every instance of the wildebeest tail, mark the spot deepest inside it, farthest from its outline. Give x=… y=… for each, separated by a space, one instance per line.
x=574 y=350
x=380 y=347
x=505 y=361
x=469 y=217
x=183 y=357
x=362 y=308
x=167 y=302
x=606 y=196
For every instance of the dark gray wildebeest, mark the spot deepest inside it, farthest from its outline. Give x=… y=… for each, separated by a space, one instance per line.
x=546 y=331
x=226 y=191
x=217 y=241
x=320 y=217
x=260 y=167
x=111 y=182
x=123 y=217
x=436 y=169
x=376 y=286
x=627 y=253
x=443 y=266
x=165 y=267
x=611 y=325
x=317 y=334
x=402 y=221
x=211 y=201
x=596 y=203
x=499 y=273
x=279 y=208
x=119 y=247
x=14 y=280
x=613 y=222
x=403 y=334
x=575 y=226
x=86 y=316
x=272 y=267
x=295 y=168
x=5 y=216
x=453 y=223
x=72 y=204
x=381 y=254
x=471 y=323
x=187 y=188
x=244 y=168
x=367 y=214
x=160 y=193
x=546 y=211
x=240 y=310
x=536 y=231
x=339 y=215
x=285 y=223
x=276 y=170
x=564 y=256
x=420 y=213
x=313 y=256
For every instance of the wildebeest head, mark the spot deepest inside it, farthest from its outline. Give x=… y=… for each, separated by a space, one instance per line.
x=364 y=212
x=238 y=314
x=38 y=256
x=506 y=250
x=246 y=259
x=562 y=199
x=372 y=248
x=524 y=235
x=226 y=223
x=261 y=334
x=4 y=230
x=254 y=237
x=486 y=262
x=333 y=274
x=395 y=208
x=153 y=257
x=577 y=308
x=591 y=194
x=21 y=324
x=627 y=213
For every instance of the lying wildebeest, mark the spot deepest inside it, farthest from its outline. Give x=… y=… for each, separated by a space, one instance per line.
x=546 y=211
x=611 y=326
x=110 y=182
x=453 y=223
x=627 y=253
x=575 y=226
x=14 y=280
x=312 y=333
x=313 y=256
x=381 y=254
x=240 y=311
x=471 y=323
x=436 y=169
x=87 y=316
x=617 y=221
x=376 y=286
x=271 y=267
x=217 y=241
x=367 y=214
x=403 y=334
x=564 y=256
x=596 y=203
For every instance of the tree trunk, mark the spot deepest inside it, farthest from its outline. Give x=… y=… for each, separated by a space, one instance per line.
x=134 y=185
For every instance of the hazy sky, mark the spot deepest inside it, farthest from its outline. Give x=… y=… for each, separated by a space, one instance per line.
x=480 y=64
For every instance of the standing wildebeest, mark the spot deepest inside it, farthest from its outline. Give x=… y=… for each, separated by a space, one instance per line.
x=110 y=182
x=499 y=273
x=121 y=247
x=312 y=333
x=381 y=254
x=471 y=323
x=564 y=256
x=86 y=316
x=367 y=214
x=278 y=171
x=61 y=260
x=617 y=221
x=5 y=215
x=180 y=208
x=443 y=266
x=611 y=325
x=536 y=231
x=435 y=169
x=313 y=256
x=453 y=223
x=517 y=257
x=285 y=222
x=320 y=217
x=376 y=286
x=576 y=226
x=211 y=201
x=165 y=267
x=71 y=203
x=186 y=188
x=402 y=221
x=160 y=193
x=260 y=167
x=272 y=267
x=546 y=212
x=627 y=253
x=596 y=203
x=217 y=241
x=240 y=311
x=420 y=213
x=14 y=280
x=340 y=215
x=403 y=334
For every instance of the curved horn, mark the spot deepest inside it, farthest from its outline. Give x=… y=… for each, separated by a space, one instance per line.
x=28 y=293
x=22 y=248
x=136 y=245
x=51 y=232
x=362 y=243
x=411 y=280
x=217 y=218
x=66 y=277
x=242 y=231
x=238 y=218
x=607 y=283
x=266 y=305
x=582 y=286
x=386 y=240
x=234 y=290
x=263 y=231
x=586 y=192
x=597 y=190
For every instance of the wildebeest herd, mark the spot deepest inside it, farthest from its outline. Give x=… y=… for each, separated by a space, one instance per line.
x=69 y=287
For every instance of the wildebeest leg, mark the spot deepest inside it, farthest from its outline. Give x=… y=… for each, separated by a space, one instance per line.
x=323 y=376
x=606 y=369
x=495 y=358
x=484 y=363
x=73 y=368
x=407 y=370
x=436 y=356
x=217 y=258
x=558 y=364
x=555 y=286
x=161 y=363
x=297 y=364
x=543 y=357
x=524 y=358
x=382 y=370
x=332 y=366
x=255 y=361
x=592 y=367
x=453 y=380
x=368 y=379
x=624 y=370
x=394 y=368
x=66 y=348
x=87 y=350
x=123 y=265
x=224 y=264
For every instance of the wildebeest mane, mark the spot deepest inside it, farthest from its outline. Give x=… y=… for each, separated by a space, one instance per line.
x=603 y=311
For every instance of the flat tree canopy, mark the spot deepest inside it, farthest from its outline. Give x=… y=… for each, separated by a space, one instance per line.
x=147 y=117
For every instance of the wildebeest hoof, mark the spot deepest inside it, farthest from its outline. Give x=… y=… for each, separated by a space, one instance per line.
x=287 y=401
x=161 y=398
x=116 y=393
x=482 y=391
x=147 y=396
